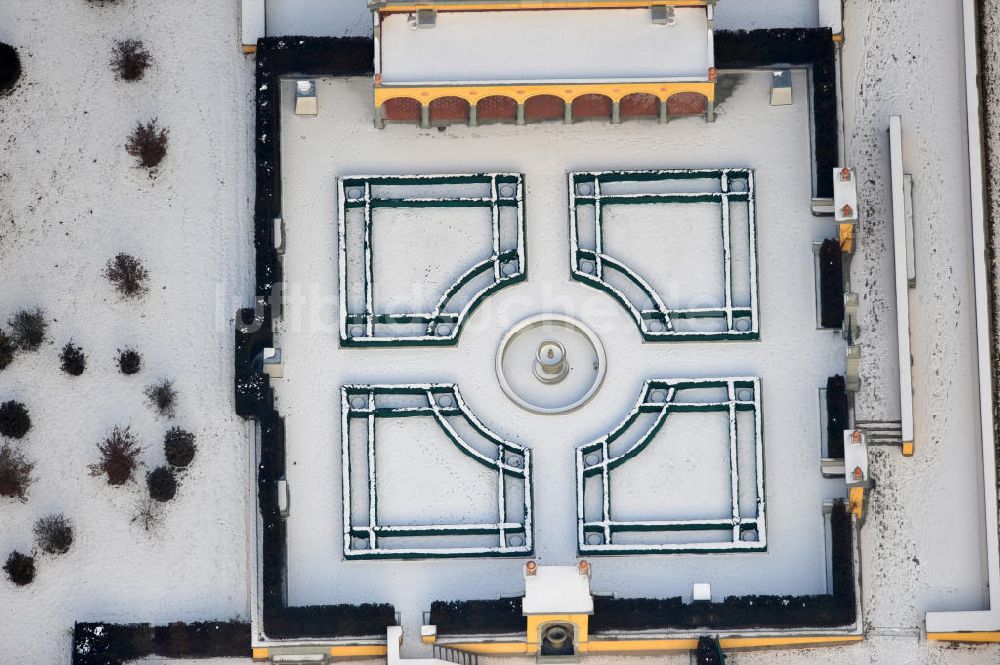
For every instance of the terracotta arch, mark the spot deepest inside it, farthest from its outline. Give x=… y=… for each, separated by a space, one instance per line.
x=640 y=105
x=592 y=106
x=401 y=109
x=496 y=108
x=687 y=103
x=544 y=107
x=449 y=109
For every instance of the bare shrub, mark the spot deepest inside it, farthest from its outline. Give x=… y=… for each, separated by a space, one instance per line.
x=72 y=359
x=28 y=328
x=127 y=274
x=119 y=453
x=20 y=568
x=15 y=474
x=14 y=419
x=54 y=534
x=148 y=514
x=179 y=447
x=129 y=361
x=129 y=59
x=148 y=143
x=162 y=484
x=7 y=350
x=162 y=397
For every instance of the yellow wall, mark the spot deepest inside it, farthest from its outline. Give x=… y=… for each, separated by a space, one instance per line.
x=652 y=646
x=520 y=93
x=536 y=621
x=982 y=638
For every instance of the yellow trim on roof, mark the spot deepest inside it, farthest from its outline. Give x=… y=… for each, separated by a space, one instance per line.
x=359 y=651
x=567 y=92
x=665 y=644
x=675 y=644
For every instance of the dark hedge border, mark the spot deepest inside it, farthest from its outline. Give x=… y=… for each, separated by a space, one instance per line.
x=115 y=644
x=285 y=56
x=464 y=617
x=831 y=284
x=836 y=415
x=277 y=57
x=814 y=47
x=836 y=609
x=833 y=610
x=330 y=56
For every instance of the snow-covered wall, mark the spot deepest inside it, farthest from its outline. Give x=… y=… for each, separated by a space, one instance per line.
x=351 y=17
x=318 y=17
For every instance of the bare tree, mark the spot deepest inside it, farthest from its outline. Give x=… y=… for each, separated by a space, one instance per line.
x=130 y=59
x=20 y=568
x=148 y=143
x=54 y=534
x=162 y=397
x=162 y=484
x=14 y=419
x=7 y=350
x=148 y=514
x=129 y=361
x=119 y=456
x=15 y=474
x=28 y=328
x=72 y=359
x=179 y=447
x=127 y=274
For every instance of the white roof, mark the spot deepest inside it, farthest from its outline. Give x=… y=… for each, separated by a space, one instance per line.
x=573 y=45
x=557 y=590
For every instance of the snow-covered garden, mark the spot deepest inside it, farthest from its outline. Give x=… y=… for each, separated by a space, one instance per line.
x=127 y=486
x=416 y=253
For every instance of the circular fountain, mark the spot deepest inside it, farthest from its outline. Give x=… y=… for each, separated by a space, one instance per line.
x=550 y=363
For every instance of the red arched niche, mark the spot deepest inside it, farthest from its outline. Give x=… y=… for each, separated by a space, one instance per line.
x=687 y=103
x=496 y=108
x=449 y=109
x=592 y=106
x=544 y=107
x=639 y=105
x=401 y=109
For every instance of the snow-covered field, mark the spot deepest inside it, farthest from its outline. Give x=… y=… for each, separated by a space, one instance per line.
x=70 y=198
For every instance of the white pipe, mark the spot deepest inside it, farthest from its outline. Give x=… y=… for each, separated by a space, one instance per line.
x=902 y=281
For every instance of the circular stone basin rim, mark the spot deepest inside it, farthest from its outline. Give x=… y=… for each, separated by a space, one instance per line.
x=556 y=321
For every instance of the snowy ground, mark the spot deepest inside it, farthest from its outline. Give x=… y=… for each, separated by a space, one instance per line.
x=792 y=357
x=201 y=88
x=70 y=199
x=924 y=505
